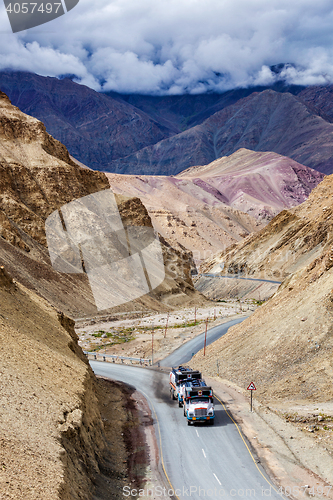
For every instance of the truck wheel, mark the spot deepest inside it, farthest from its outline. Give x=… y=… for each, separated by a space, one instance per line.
x=211 y=422
x=171 y=393
x=184 y=412
x=189 y=422
x=180 y=404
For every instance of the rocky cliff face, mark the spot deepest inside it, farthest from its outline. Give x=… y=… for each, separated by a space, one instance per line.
x=34 y=170
x=52 y=439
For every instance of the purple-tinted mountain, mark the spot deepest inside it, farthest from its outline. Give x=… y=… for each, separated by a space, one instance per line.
x=94 y=127
x=265 y=121
x=163 y=135
x=181 y=112
x=319 y=99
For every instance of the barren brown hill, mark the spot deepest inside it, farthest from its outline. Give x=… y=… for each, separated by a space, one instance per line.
x=285 y=347
x=258 y=183
x=186 y=214
x=203 y=207
x=38 y=177
x=289 y=243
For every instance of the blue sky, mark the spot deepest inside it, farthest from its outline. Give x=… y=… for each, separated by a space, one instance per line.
x=178 y=46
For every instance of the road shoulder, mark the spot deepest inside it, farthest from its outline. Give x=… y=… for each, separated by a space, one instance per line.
x=290 y=457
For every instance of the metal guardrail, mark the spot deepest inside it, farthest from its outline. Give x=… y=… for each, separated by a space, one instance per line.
x=115 y=357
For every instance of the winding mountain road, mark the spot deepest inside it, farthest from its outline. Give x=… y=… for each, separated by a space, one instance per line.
x=237 y=277
x=198 y=461
x=185 y=352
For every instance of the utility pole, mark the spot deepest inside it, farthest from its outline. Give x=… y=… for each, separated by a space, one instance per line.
x=166 y=326
x=205 y=337
x=152 y=345
x=195 y=316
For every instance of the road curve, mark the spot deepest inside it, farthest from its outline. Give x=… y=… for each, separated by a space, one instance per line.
x=199 y=461
x=184 y=353
x=237 y=277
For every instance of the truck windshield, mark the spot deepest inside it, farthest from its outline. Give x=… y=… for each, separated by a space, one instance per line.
x=199 y=400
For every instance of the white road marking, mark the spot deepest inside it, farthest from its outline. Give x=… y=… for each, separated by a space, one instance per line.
x=217 y=479
x=197 y=432
x=203 y=451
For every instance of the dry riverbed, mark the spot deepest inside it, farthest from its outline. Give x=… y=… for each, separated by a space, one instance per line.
x=136 y=337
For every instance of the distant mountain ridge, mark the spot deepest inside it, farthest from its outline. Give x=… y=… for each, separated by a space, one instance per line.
x=163 y=135
x=265 y=121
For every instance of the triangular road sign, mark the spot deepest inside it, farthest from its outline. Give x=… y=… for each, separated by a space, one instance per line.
x=252 y=387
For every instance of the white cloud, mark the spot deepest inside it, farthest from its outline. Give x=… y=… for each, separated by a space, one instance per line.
x=176 y=46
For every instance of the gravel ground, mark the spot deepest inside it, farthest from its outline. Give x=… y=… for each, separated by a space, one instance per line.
x=135 y=335
x=291 y=454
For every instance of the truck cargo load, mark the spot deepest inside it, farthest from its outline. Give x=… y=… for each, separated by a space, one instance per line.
x=178 y=377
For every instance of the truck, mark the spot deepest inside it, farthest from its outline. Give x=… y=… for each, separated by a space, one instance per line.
x=198 y=402
x=178 y=377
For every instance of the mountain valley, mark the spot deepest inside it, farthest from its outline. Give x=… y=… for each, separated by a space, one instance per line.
x=234 y=185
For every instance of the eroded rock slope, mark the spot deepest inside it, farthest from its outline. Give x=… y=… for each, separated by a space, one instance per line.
x=285 y=347
x=52 y=439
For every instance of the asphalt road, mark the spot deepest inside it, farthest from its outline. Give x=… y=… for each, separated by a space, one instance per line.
x=199 y=461
x=184 y=353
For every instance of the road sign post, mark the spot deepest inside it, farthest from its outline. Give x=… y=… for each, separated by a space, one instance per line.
x=251 y=388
